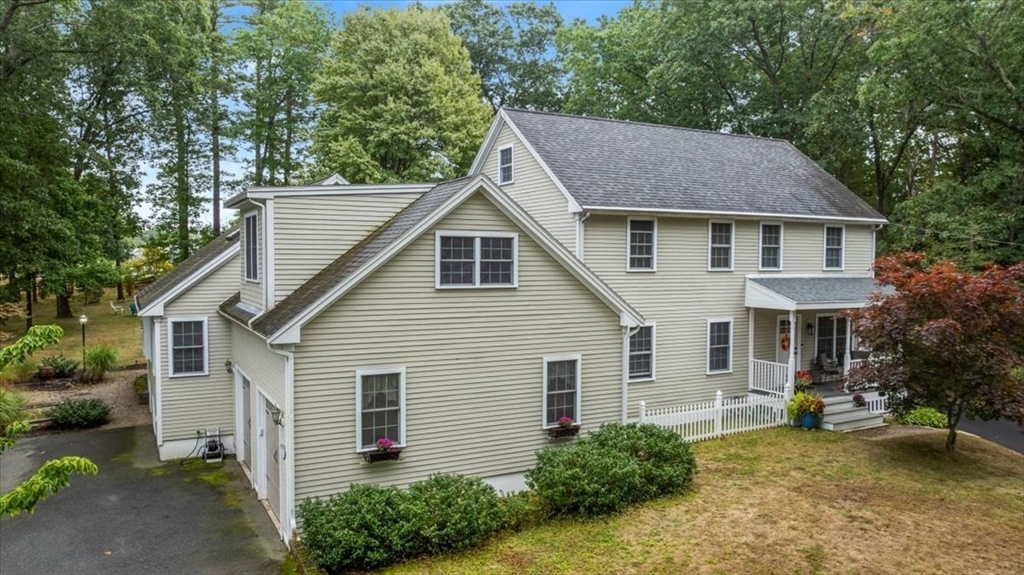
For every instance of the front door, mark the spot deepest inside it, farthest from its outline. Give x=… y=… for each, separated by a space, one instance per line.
x=785 y=338
x=273 y=460
x=246 y=423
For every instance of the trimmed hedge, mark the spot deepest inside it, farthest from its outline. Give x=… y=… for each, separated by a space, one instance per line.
x=610 y=469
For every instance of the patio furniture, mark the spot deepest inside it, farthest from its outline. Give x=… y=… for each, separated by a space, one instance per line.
x=828 y=371
x=118 y=309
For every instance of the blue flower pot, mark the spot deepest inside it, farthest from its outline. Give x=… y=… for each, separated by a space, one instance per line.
x=809 y=421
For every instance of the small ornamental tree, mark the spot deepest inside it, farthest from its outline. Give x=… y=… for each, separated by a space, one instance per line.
x=946 y=339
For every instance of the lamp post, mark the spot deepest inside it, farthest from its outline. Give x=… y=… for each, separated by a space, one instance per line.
x=83 y=319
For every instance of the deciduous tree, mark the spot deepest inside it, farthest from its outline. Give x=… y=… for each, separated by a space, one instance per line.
x=946 y=338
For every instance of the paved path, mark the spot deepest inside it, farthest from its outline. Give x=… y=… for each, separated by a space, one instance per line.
x=137 y=516
x=1001 y=431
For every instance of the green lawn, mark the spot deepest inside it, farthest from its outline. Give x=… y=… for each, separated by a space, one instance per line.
x=791 y=501
x=123 y=332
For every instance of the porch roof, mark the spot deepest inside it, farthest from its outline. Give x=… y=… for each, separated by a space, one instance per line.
x=804 y=293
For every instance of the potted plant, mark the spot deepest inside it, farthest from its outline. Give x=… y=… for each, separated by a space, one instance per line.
x=859 y=401
x=566 y=428
x=804 y=380
x=386 y=451
x=806 y=408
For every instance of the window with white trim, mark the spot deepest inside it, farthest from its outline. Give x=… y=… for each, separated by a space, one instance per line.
x=252 y=248
x=188 y=342
x=834 y=247
x=720 y=345
x=380 y=407
x=505 y=168
x=771 y=246
x=641 y=354
x=720 y=246
x=562 y=376
x=642 y=245
x=477 y=260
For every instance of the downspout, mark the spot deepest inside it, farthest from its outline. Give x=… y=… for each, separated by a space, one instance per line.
x=288 y=519
x=580 y=233
x=627 y=332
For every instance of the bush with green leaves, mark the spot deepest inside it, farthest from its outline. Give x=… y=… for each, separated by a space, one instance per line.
x=520 y=510
x=451 y=512
x=667 y=465
x=99 y=359
x=584 y=479
x=62 y=366
x=10 y=408
x=364 y=528
x=79 y=413
x=924 y=416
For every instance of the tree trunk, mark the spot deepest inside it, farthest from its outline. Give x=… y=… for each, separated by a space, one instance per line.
x=215 y=117
x=951 y=439
x=181 y=184
x=30 y=292
x=64 y=307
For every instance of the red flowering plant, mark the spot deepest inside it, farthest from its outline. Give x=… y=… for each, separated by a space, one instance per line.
x=803 y=380
x=384 y=444
x=565 y=422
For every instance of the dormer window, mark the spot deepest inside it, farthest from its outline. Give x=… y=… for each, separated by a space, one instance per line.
x=476 y=259
x=252 y=249
x=505 y=172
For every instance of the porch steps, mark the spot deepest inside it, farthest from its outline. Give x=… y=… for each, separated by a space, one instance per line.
x=842 y=415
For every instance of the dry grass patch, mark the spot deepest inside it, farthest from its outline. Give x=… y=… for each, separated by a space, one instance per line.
x=790 y=501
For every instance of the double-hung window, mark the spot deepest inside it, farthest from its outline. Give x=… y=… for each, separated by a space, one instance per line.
x=474 y=259
x=642 y=252
x=834 y=240
x=506 y=174
x=252 y=249
x=719 y=345
x=188 y=346
x=720 y=236
x=771 y=246
x=641 y=354
x=562 y=378
x=380 y=407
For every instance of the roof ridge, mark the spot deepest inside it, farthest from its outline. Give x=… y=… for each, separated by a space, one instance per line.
x=649 y=124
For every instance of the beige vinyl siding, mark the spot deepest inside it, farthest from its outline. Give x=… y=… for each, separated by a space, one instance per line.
x=195 y=402
x=265 y=370
x=804 y=249
x=312 y=231
x=765 y=324
x=473 y=360
x=252 y=291
x=533 y=189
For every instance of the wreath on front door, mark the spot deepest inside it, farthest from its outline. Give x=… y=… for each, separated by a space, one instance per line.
x=784 y=342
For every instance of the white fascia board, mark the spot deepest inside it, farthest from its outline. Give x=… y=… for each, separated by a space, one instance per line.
x=811 y=276
x=492 y=134
x=263 y=193
x=814 y=305
x=752 y=215
x=156 y=307
x=291 y=332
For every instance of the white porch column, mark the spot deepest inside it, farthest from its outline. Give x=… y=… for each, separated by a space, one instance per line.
x=846 y=354
x=750 y=350
x=791 y=374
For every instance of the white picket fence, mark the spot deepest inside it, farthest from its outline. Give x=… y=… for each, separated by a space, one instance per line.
x=768 y=376
x=699 y=421
x=876 y=403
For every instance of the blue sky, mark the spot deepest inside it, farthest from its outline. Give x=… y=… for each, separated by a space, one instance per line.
x=588 y=10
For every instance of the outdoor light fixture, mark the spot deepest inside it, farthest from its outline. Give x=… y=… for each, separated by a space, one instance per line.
x=83 y=319
x=810 y=328
x=228 y=366
x=276 y=415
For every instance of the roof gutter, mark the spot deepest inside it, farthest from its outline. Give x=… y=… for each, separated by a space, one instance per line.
x=752 y=215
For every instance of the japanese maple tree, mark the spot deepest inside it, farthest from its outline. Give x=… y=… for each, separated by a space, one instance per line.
x=946 y=338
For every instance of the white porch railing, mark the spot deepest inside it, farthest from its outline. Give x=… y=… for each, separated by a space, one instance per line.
x=876 y=403
x=768 y=376
x=699 y=421
x=855 y=363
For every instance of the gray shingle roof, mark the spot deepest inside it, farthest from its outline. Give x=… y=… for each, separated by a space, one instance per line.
x=355 y=258
x=612 y=163
x=823 y=289
x=233 y=308
x=194 y=262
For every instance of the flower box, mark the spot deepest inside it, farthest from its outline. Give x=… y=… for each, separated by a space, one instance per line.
x=556 y=432
x=379 y=455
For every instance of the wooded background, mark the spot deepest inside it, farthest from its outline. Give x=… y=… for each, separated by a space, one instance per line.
x=917 y=106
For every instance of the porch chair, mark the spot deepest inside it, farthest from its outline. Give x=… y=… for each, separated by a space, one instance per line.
x=118 y=309
x=829 y=371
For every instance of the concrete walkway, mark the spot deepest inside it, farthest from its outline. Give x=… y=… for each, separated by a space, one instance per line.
x=138 y=515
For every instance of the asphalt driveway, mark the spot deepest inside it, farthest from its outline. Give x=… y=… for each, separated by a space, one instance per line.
x=1002 y=431
x=138 y=515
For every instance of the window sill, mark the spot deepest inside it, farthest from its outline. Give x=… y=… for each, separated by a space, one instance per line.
x=489 y=286
x=508 y=183
x=723 y=372
x=193 y=374
x=650 y=379
x=719 y=270
x=831 y=269
x=769 y=269
x=641 y=270
x=560 y=432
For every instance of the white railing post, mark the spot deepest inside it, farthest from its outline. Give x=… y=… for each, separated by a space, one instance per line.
x=718 y=412
x=787 y=392
x=643 y=410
